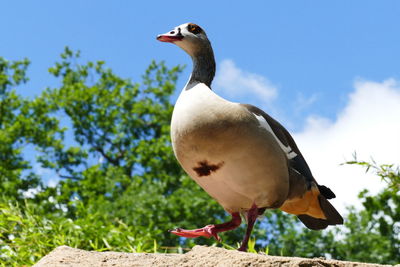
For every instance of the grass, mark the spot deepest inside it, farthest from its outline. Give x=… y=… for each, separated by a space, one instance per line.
x=251 y=247
x=26 y=234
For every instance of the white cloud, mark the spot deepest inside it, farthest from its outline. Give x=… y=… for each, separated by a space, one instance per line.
x=236 y=83
x=369 y=125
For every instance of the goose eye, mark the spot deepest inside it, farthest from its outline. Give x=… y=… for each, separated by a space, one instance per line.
x=193 y=28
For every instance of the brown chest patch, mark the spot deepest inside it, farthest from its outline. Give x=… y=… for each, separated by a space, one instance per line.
x=205 y=168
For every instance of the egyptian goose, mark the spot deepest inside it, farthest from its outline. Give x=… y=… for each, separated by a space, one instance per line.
x=237 y=153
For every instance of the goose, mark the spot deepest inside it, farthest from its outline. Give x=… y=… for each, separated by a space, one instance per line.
x=242 y=157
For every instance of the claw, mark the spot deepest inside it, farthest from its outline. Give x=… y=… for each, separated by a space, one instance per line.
x=211 y=230
x=207 y=231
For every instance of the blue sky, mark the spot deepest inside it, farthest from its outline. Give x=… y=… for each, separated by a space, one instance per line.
x=316 y=55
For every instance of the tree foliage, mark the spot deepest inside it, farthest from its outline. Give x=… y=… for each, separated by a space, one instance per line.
x=15 y=125
x=376 y=228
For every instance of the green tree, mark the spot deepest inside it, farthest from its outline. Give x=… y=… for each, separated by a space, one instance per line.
x=13 y=124
x=23 y=123
x=373 y=234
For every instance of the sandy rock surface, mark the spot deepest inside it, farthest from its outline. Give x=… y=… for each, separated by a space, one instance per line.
x=199 y=256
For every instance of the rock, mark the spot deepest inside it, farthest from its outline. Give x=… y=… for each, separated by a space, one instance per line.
x=199 y=256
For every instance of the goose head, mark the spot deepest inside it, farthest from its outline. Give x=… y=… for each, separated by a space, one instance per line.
x=188 y=36
x=193 y=40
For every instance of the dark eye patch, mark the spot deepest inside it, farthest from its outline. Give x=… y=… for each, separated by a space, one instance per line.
x=193 y=28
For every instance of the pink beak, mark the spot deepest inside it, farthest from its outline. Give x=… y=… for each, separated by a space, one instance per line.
x=170 y=37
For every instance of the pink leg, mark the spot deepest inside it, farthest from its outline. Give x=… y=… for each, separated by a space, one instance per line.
x=251 y=219
x=210 y=230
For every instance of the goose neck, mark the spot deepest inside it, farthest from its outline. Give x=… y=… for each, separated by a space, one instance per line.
x=203 y=67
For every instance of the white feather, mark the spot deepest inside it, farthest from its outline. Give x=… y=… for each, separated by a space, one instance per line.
x=287 y=149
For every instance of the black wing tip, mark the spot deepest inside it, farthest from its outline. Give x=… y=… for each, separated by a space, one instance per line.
x=317 y=224
x=326 y=192
x=312 y=223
